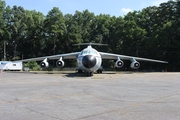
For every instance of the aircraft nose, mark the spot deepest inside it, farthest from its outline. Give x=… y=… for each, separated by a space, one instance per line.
x=89 y=61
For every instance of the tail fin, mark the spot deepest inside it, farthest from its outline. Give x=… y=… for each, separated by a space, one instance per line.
x=89 y=44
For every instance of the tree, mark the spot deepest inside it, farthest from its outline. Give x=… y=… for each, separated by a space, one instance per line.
x=2 y=32
x=73 y=34
x=54 y=28
x=84 y=20
x=34 y=38
x=15 y=29
x=133 y=35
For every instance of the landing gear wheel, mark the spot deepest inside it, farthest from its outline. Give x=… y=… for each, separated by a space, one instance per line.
x=79 y=71
x=99 y=71
x=89 y=74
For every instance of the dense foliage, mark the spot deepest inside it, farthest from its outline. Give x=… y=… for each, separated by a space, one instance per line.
x=153 y=32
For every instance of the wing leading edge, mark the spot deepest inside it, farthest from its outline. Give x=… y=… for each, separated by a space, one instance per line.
x=124 y=57
x=53 y=57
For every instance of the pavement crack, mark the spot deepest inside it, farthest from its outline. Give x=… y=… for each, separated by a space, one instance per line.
x=128 y=106
x=42 y=113
x=163 y=97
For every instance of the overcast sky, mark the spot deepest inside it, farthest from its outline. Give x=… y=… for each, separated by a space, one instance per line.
x=111 y=7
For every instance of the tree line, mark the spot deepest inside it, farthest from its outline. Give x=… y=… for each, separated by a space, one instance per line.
x=153 y=32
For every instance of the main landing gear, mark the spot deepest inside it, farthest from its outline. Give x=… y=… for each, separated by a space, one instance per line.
x=99 y=71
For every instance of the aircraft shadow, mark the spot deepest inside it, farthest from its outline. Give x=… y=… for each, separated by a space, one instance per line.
x=75 y=74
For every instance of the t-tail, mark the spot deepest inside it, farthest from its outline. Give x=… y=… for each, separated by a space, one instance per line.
x=90 y=44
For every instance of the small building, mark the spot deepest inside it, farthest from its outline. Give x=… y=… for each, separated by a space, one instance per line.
x=10 y=66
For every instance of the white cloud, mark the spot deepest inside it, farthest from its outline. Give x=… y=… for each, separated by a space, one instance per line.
x=158 y=2
x=126 y=10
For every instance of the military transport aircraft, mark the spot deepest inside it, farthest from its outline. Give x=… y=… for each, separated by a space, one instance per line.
x=89 y=59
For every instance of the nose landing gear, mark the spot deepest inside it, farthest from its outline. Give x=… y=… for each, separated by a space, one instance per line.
x=89 y=74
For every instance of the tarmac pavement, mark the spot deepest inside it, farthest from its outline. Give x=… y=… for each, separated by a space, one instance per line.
x=108 y=96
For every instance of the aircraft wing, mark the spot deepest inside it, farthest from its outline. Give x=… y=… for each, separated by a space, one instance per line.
x=53 y=57
x=124 y=57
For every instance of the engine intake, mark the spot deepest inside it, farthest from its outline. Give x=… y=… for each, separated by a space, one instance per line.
x=135 y=65
x=44 y=63
x=60 y=63
x=119 y=63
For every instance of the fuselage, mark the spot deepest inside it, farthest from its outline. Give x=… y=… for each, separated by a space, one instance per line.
x=89 y=60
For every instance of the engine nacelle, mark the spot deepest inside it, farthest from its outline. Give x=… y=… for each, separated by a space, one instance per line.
x=60 y=63
x=44 y=63
x=119 y=63
x=135 y=65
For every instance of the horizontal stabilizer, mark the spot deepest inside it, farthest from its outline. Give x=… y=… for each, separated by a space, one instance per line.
x=89 y=44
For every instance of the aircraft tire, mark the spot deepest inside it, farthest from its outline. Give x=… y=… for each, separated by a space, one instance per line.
x=99 y=71
x=89 y=74
x=79 y=71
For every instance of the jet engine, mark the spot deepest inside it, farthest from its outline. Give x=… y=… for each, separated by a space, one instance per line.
x=119 y=63
x=44 y=63
x=60 y=63
x=135 y=65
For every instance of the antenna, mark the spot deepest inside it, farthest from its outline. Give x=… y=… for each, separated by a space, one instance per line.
x=89 y=44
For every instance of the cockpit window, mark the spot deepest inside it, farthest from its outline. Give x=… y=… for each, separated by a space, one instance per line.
x=84 y=52
x=92 y=52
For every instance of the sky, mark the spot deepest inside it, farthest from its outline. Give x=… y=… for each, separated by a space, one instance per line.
x=111 y=7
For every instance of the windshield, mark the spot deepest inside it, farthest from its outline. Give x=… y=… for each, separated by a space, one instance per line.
x=92 y=52
x=84 y=52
